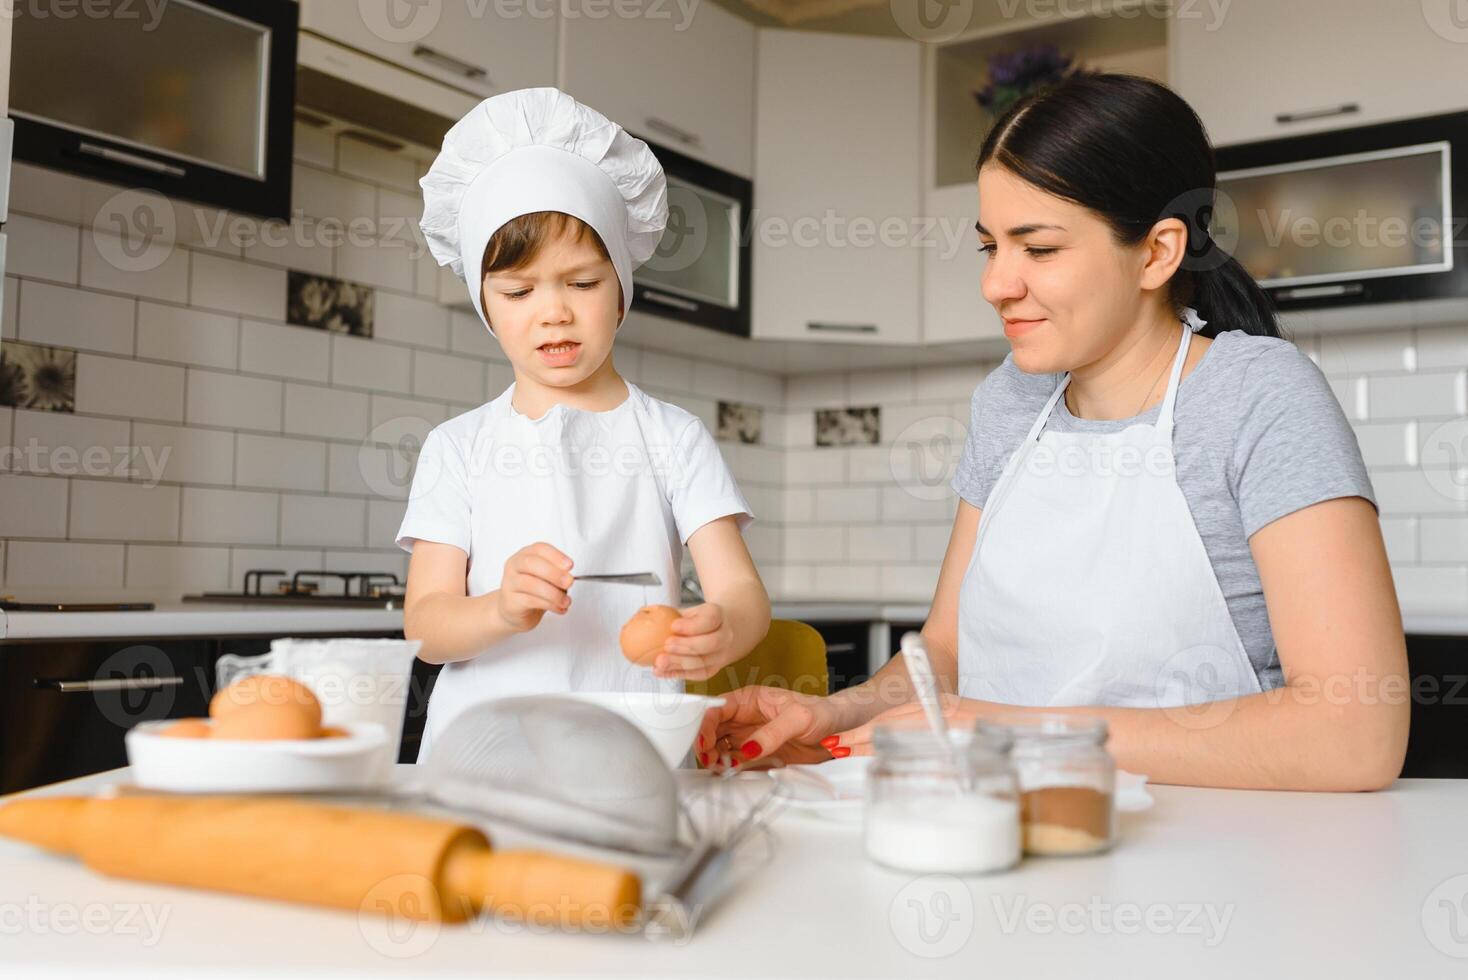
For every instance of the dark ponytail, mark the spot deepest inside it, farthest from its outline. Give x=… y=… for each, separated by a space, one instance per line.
x=1133 y=152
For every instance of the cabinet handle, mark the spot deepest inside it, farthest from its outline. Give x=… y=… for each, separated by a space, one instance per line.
x=841 y=648
x=842 y=327
x=676 y=302
x=110 y=684
x=1344 y=109
x=450 y=62
x=130 y=159
x=673 y=132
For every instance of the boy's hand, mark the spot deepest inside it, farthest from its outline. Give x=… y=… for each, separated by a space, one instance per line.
x=701 y=645
x=535 y=581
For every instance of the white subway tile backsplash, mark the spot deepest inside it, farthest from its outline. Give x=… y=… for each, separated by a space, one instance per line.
x=129 y=389
x=285 y=350
x=1358 y=353
x=64 y=444
x=278 y=463
x=1442 y=347
x=468 y=335
x=497 y=377
x=930 y=541
x=174 y=570
x=915 y=582
x=399 y=212
x=149 y=513
x=904 y=504
x=817 y=391
x=311 y=410
x=662 y=370
x=315 y=145
x=1388 y=443
x=1352 y=395
x=761 y=388
x=233 y=401
x=410 y=320
x=185 y=336
x=875 y=387
x=799 y=505
x=1415 y=491
x=847 y=504
x=11 y=312
x=220 y=283
x=63 y=564
x=107 y=264
x=357 y=362
x=66 y=317
x=374 y=163
x=450 y=376
x=1400 y=537
x=35 y=506
x=417 y=415
x=384 y=262
x=384 y=517
x=949 y=382
x=369 y=470
x=879 y=544
x=847 y=581
x=48 y=193
x=303 y=244
x=41 y=249
x=183 y=455
x=1431 y=587
x=793 y=429
x=714 y=381
x=815 y=544
x=825 y=466
x=1411 y=395
x=319 y=194
x=230 y=516
x=336 y=521
x=1443 y=539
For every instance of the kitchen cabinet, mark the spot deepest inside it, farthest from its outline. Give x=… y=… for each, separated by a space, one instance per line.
x=683 y=82
x=837 y=188
x=1267 y=69
x=471 y=46
x=954 y=308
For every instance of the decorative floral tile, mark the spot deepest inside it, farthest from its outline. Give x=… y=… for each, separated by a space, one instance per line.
x=740 y=423
x=33 y=376
x=329 y=304
x=848 y=426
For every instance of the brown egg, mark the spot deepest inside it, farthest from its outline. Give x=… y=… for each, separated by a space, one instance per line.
x=187 y=728
x=645 y=633
x=269 y=690
x=332 y=731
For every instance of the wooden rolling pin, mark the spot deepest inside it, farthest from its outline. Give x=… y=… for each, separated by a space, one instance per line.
x=360 y=859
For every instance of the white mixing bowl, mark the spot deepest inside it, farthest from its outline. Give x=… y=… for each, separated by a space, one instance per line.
x=670 y=720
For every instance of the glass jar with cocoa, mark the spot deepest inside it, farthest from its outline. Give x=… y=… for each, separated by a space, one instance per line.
x=1067 y=781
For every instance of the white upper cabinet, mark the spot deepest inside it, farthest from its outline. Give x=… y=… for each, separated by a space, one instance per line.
x=954 y=309
x=837 y=188
x=483 y=48
x=1267 y=68
x=684 y=82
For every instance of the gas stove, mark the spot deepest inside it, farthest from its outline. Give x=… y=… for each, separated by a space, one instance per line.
x=374 y=590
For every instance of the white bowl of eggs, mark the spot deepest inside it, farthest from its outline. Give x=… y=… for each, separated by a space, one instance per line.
x=263 y=735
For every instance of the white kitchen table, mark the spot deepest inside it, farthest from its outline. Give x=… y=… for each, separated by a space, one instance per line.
x=1208 y=883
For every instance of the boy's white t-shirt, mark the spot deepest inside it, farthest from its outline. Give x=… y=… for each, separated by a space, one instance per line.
x=617 y=491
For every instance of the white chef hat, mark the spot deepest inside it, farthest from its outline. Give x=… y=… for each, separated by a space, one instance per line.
x=538 y=149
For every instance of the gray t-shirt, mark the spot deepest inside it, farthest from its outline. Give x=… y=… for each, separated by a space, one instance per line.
x=1257 y=434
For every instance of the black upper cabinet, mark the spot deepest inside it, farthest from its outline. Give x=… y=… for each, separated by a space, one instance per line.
x=193 y=99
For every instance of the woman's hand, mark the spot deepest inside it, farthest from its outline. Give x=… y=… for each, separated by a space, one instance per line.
x=702 y=644
x=534 y=582
x=766 y=726
x=958 y=712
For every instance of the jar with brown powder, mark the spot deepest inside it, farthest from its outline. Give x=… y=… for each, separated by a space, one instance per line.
x=1067 y=781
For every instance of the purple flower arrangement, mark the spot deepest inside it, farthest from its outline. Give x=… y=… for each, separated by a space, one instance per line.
x=1013 y=74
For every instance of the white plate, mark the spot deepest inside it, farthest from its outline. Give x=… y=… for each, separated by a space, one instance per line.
x=361 y=759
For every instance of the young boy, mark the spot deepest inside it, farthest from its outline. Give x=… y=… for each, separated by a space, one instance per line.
x=544 y=207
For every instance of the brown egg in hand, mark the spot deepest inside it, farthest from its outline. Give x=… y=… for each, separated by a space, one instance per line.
x=645 y=633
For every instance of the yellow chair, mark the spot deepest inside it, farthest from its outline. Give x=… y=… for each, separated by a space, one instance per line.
x=792 y=655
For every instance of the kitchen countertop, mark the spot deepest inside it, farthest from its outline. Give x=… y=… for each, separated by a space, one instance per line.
x=239 y=619
x=1208 y=883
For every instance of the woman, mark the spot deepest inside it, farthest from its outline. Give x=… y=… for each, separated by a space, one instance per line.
x=1164 y=519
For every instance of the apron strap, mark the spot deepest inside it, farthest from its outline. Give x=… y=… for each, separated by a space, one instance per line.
x=1055 y=396
x=1164 y=417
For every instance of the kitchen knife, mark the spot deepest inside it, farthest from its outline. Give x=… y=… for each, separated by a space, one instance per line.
x=626 y=578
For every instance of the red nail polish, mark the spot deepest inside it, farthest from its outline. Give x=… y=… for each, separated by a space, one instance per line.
x=750 y=749
x=700 y=741
x=830 y=741
x=703 y=758
x=840 y=752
